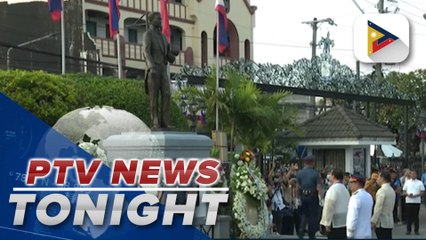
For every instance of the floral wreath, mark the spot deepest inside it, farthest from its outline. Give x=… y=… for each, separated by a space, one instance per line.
x=249 y=186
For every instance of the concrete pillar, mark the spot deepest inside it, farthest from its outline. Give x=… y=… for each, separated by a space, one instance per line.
x=367 y=161
x=349 y=164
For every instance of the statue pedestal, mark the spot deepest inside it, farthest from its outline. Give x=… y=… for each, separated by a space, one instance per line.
x=159 y=145
x=141 y=145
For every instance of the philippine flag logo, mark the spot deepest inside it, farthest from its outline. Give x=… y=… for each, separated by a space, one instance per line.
x=381 y=38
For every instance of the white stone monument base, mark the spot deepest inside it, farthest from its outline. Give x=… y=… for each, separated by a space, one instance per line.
x=159 y=145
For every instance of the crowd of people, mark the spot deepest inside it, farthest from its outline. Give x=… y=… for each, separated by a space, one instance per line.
x=341 y=205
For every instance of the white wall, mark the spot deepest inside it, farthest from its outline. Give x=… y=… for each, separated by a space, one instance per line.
x=204 y=18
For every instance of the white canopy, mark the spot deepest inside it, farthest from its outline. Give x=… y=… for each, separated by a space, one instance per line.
x=387 y=151
x=390 y=151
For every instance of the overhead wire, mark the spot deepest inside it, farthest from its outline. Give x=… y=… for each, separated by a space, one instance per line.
x=413 y=6
x=253 y=43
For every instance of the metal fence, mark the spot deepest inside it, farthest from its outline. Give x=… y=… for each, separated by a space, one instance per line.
x=25 y=58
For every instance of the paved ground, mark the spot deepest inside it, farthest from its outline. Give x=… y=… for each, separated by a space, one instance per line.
x=398 y=231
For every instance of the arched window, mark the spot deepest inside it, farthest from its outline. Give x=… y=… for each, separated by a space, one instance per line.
x=204 y=53
x=233 y=49
x=189 y=56
x=176 y=38
x=247 y=54
x=96 y=24
x=134 y=29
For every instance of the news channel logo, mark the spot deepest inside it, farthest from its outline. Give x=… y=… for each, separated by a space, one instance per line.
x=381 y=38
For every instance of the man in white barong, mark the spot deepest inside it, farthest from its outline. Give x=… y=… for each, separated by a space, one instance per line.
x=358 y=220
x=335 y=207
x=382 y=220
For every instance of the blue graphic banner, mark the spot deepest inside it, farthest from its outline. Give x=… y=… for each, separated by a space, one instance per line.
x=23 y=137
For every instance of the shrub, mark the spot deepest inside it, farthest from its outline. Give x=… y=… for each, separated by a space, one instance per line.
x=50 y=96
x=47 y=96
x=120 y=94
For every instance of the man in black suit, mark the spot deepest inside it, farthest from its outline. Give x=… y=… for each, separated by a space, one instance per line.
x=157 y=55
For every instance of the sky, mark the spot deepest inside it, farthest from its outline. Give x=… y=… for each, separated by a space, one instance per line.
x=281 y=38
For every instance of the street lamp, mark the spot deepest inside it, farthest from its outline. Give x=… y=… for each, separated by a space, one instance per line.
x=24 y=44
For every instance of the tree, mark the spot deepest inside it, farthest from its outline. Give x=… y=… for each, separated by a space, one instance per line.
x=411 y=85
x=247 y=115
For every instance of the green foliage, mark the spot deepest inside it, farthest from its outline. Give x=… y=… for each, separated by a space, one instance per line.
x=47 y=96
x=304 y=73
x=411 y=83
x=215 y=152
x=50 y=96
x=248 y=116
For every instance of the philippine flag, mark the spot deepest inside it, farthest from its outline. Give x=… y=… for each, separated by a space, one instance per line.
x=421 y=133
x=114 y=16
x=223 y=25
x=55 y=8
x=165 y=19
x=202 y=119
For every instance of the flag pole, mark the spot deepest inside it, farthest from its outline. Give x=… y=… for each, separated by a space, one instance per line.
x=63 y=38
x=120 y=68
x=217 y=78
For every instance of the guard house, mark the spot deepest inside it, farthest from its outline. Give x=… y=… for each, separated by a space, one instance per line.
x=341 y=138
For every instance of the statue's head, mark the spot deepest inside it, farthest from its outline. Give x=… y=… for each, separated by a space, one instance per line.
x=154 y=19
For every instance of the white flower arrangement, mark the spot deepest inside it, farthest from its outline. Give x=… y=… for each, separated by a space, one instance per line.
x=250 y=230
x=248 y=180
x=95 y=150
x=248 y=183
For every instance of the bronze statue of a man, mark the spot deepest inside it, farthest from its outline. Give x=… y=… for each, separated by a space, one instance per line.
x=157 y=56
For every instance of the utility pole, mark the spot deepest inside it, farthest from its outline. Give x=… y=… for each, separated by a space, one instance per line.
x=358 y=68
x=314 y=25
x=358 y=78
x=378 y=72
x=314 y=38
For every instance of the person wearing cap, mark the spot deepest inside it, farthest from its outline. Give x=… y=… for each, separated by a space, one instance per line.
x=309 y=189
x=382 y=221
x=358 y=220
x=335 y=207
